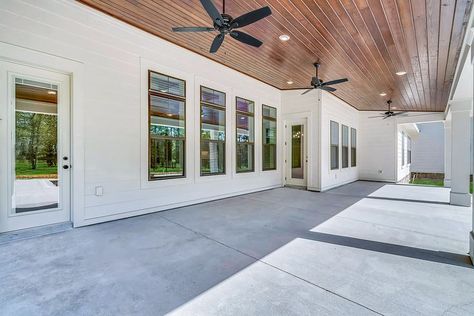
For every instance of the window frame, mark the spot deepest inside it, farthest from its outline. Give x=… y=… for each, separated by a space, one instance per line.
x=276 y=136
x=353 y=144
x=237 y=112
x=342 y=146
x=330 y=145
x=220 y=108
x=151 y=93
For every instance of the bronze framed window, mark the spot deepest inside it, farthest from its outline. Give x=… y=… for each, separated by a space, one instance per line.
x=353 y=147
x=166 y=126
x=269 y=138
x=245 y=131
x=334 y=146
x=213 y=135
x=345 y=146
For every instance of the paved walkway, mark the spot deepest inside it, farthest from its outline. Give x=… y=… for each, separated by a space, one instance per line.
x=278 y=252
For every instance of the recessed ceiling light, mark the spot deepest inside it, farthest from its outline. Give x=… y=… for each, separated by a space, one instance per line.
x=383 y=94
x=401 y=73
x=51 y=92
x=289 y=82
x=284 y=37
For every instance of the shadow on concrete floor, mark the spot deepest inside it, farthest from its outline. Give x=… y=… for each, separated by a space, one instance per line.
x=393 y=249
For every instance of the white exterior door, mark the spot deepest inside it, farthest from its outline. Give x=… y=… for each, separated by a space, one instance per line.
x=296 y=153
x=35 y=141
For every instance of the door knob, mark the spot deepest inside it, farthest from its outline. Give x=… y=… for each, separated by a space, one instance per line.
x=65 y=167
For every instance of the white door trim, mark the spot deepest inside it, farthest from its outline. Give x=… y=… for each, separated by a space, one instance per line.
x=10 y=220
x=76 y=70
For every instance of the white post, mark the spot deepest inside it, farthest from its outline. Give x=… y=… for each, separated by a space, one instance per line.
x=471 y=234
x=447 y=153
x=460 y=152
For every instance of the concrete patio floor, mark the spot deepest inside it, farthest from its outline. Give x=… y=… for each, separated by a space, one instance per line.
x=361 y=249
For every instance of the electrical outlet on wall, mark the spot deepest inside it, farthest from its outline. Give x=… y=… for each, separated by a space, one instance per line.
x=99 y=190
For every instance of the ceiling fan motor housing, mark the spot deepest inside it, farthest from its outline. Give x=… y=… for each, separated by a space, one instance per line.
x=226 y=25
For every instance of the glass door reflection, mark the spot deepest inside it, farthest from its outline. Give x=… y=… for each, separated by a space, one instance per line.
x=297 y=152
x=36 y=142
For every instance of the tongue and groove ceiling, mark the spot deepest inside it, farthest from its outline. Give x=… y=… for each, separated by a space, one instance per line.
x=367 y=41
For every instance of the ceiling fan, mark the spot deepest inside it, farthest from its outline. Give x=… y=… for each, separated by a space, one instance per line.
x=317 y=83
x=225 y=24
x=389 y=113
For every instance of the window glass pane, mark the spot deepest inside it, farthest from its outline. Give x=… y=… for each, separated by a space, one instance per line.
x=245 y=157
x=334 y=133
x=297 y=154
x=334 y=145
x=165 y=84
x=212 y=132
x=166 y=117
x=36 y=183
x=245 y=135
x=353 y=147
x=212 y=157
x=212 y=96
x=403 y=149
x=269 y=111
x=244 y=105
x=166 y=127
x=212 y=123
x=166 y=157
x=345 y=146
x=245 y=128
x=269 y=144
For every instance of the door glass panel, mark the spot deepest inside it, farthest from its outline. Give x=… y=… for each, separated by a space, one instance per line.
x=35 y=139
x=297 y=164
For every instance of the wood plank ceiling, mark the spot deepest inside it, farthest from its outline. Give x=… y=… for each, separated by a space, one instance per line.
x=367 y=41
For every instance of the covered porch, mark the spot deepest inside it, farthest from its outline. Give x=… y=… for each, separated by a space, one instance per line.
x=364 y=248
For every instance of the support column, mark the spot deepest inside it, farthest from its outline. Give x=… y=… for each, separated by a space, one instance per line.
x=471 y=234
x=447 y=153
x=460 y=152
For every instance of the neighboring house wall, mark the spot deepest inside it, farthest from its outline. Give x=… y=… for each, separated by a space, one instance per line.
x=116 y=59
x=428 y=149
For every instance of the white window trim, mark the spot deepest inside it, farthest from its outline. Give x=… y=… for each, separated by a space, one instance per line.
x=198 y=82
x=145 y=183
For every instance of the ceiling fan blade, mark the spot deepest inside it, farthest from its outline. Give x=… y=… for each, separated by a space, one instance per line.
x=378 y=116
x=329 y=83
x=330 y=89
x=387 y=116
x=399 y=113
x=192 y=29
x=309 y=90
x=245 y=38
x=212 y=11
x=251 y=17
x=216 y=43
x=422 y=114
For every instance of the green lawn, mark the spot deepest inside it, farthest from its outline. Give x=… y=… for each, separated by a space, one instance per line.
x=23 y=168
x=434 y=182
